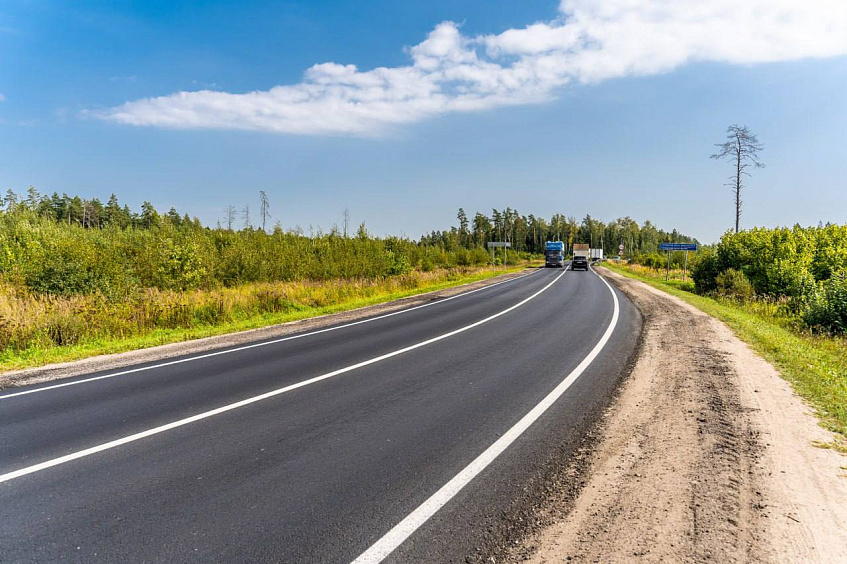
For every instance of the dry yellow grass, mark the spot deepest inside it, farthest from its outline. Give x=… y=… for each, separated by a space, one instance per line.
x=36 y=328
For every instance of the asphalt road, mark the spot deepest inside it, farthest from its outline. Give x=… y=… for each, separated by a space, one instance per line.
x=326 y=447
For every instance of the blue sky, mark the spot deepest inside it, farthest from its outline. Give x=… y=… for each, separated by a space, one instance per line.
x=90 y=107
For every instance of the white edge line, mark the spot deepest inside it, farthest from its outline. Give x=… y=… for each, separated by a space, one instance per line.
x=404 y=529
x=223 y=409
x=262 y=344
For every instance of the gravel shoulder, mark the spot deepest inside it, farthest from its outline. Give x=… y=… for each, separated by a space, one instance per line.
x=153 y=354
x=706 y=455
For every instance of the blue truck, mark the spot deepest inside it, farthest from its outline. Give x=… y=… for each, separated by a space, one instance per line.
x=554 y=254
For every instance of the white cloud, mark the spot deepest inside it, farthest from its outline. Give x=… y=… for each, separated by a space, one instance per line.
x=590 y=41
x=2 y=98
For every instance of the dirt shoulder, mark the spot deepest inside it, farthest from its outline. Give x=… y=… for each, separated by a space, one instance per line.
x=707 y=455
x=115 y=361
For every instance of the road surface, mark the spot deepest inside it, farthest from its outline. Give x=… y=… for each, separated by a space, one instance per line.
x=408 y=437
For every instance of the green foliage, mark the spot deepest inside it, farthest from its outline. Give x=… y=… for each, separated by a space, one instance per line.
x=651 y=260
x=704 y=271
x=733 y=284
x=828 y=311
x=180 y=267
x=399 y=264
x=60 y=259
x=794 y=266
x=66 y=245
x=778 y=262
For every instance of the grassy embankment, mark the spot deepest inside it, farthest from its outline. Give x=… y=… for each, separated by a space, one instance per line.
x=41 y=330
x=815 y=365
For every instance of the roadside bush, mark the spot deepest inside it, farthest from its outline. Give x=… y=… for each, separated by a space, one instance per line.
x=481 y=257
x=652 y=260
x=828 y=311
x=797 y=285
x=62 y=278
x=704 y=271
x=180 y=267
x=779 y=263
x=830 y=251
x=399 y=265
x=733 y=284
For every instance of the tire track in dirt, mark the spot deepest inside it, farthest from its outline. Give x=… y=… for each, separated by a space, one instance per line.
x=706 y=456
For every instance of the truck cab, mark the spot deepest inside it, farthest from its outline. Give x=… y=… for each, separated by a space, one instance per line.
x=554 y=254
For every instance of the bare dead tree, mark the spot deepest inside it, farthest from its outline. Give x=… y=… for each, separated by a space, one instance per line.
x=264 y=208
x=245 y=215
x=742 y=149
x=229 y=211
x=85 y=209
x=346 y=222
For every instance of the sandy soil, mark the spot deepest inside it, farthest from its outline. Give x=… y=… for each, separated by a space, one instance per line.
x=706 y=456
x=152 y=354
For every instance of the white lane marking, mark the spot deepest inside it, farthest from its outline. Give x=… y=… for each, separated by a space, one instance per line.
x=262 y=344
x=167 y=427
x=404 y=529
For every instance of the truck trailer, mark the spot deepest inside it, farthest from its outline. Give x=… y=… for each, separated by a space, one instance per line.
x=582 y=250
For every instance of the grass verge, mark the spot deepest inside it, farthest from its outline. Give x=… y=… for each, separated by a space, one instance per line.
x=815 y=365
x=301 y=303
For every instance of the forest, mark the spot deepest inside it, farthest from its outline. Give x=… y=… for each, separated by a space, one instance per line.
x=528 y=233
x=61 y=245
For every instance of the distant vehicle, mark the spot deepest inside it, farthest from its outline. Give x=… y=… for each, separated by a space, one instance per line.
x=581 y=250
x=579 y=262
x=596 y=254
x=616 y=257
x=581 y=256
x=554 y=254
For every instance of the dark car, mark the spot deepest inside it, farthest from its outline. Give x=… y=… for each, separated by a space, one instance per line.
x=579 y=263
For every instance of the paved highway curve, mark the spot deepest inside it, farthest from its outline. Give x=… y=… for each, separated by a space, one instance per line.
x=408 y=437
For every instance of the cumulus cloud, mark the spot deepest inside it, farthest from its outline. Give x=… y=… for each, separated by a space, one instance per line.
x=589 y=41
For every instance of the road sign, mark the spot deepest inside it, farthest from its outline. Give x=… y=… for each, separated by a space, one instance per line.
x=677 y=247
x=493 y=244
x=620 y=247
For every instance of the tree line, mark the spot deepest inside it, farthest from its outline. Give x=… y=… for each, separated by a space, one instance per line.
x=529 y=233
x=67 y=245
x=90 y=213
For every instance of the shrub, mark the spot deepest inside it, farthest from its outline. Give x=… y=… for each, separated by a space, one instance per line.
x=180 y=267
x=704 y=271
x=733 y=284
x=399 y=265
x=652 y=260
x=779 y=263
x=828 y=310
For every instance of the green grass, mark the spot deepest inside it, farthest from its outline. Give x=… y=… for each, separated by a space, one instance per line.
x=816 y=366
x=40 y=355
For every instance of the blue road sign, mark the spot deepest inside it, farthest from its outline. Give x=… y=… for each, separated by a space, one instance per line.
x=677 y=246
